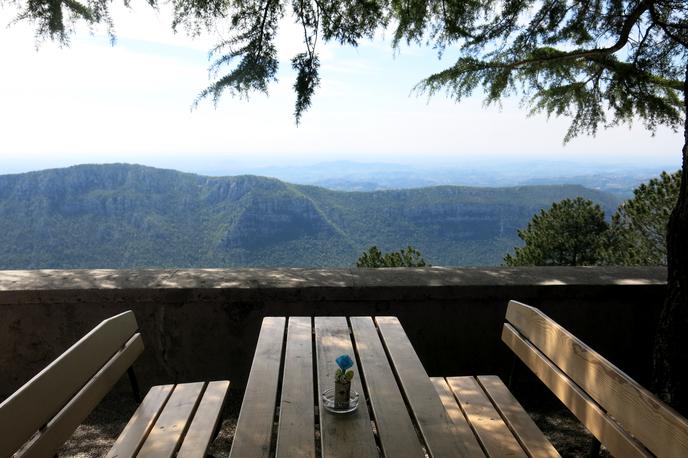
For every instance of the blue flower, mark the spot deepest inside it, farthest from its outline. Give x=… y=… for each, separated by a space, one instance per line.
x=344 y=362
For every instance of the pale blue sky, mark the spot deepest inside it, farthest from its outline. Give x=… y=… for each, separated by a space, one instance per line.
x=131 y=103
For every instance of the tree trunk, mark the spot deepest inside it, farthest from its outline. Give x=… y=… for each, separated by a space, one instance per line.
x=671 y=344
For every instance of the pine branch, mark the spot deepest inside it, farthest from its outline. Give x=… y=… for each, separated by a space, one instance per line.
x=665 y=27
x=266 y=9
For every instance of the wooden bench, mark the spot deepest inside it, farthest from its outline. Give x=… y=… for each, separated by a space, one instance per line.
x=625 y=417
x=39 y=417
x=622 y=415
x=501 y=425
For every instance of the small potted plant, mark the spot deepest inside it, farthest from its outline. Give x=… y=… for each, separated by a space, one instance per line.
x=342 y=382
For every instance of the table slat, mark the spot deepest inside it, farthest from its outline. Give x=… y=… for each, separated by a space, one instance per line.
x=296 y=432
x=171 y=425
x=525 y=429
x=253 y=433
x=488 y=424
x=442 y=436
x=347 y=435
x=395 y=427
x=133 y=435
x=205 y=421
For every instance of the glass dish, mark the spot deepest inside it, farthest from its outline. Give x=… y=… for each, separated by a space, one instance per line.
x=328 y=401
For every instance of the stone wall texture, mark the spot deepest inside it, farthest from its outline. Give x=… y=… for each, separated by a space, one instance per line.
x=204 y=323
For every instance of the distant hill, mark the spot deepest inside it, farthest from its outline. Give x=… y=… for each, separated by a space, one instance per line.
x=343 y=175
x=120 y=215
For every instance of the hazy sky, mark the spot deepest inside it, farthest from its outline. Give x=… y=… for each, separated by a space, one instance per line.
x=92 y=102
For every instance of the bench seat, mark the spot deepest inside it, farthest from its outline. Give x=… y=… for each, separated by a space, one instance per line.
x=502 y=426
x=168 y=411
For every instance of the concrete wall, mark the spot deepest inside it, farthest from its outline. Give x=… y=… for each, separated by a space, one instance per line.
x=203 y=324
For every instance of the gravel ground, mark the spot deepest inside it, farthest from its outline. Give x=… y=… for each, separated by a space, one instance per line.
x=563 y=430
x=97 y=434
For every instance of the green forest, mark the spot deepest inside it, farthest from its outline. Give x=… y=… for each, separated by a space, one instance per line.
x=121 y=216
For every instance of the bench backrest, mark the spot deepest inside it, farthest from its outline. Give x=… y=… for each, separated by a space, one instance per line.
x=50 y=406
x=625 y=417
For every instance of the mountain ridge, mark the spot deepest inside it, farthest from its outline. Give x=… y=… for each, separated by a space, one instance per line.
x=125 y=215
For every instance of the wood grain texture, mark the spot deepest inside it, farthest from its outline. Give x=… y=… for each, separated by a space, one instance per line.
x=253 y=435
x=607 y=431
x=165 y=436
x=655 y=424
x=205 y=421
x=494 y=434
x=296 y=430
x=62 y=425
x=52 y=388
x=394 y=425
x=348 y=435
x=524 y=428
x=449 y=402
x=132 y=436
x=442 y=436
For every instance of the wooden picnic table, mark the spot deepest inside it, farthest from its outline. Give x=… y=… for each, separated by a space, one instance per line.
x=402 y=413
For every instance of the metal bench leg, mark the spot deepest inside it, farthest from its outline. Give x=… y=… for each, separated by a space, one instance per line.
x=512 y=372
x=594 y=448
x=216 y=433
x=41 y=429
x=134 y=385
x=218 y=428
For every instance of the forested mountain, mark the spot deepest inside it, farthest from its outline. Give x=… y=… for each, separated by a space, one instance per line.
x=120 y=215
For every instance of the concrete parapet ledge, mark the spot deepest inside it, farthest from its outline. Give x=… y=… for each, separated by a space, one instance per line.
x=203 y=324
x=247 y=278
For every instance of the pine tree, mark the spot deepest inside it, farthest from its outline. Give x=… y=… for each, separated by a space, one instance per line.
x=406 y=257
x=570 y=233
x=639 y=227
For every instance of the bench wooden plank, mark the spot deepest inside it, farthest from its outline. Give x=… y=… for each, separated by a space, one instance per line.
x=449 y=401
x=62 y=425
x=494 y=434
x=654 y=423
x=340 y=435
x=398 y=436
x=524 y=428
x=442 y=436
x=205 y=421
x=165 y=436
x=253 y=434
x=296 y=431
x=130 y=439
x=52 y=388
x=618 y=442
